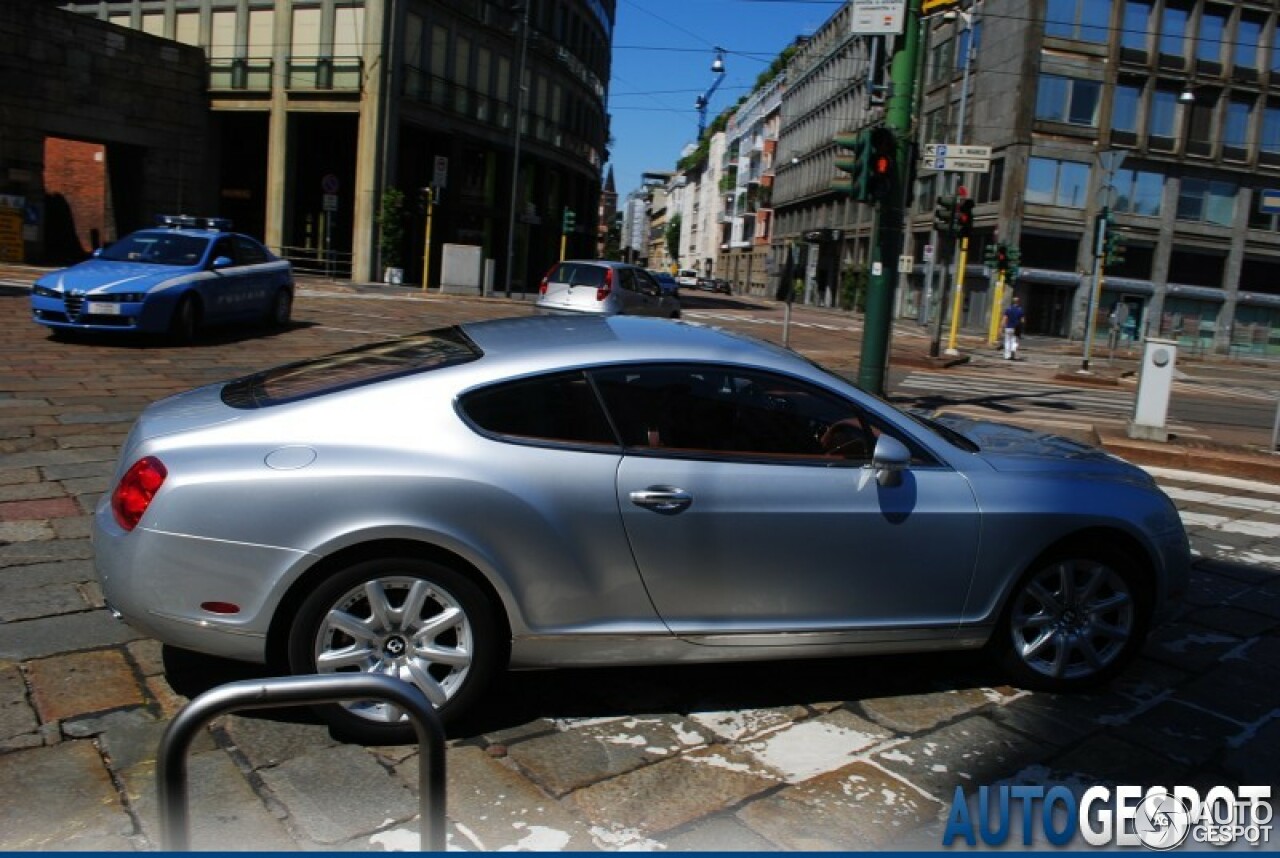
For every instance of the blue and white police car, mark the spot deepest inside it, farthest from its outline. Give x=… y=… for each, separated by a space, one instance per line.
x=176 y=278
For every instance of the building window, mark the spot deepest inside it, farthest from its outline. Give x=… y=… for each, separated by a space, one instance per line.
x=1085 y=20
x=1173 y=36
x=1064 y=99
x=1200 y=125
x=187 y=29
x=941 y=61
x=1138 y=192
x=1211 y=41
x=1136 y=29
x=1235 y=137
x=1248 y=42
x=1057 y=183
x=1164 y=112
x=348 y=32
x=1207 y=201
x=1125 y=100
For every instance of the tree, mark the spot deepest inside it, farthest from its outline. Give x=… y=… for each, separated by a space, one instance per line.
x=673 y=237
x=391 y=228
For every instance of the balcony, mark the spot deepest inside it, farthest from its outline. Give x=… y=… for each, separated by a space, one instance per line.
x=325 y=74
x=240 y=75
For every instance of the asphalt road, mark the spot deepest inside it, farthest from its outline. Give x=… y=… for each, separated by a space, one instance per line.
x=850 y=754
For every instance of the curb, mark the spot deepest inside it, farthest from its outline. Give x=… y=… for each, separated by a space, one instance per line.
x=1240 y=463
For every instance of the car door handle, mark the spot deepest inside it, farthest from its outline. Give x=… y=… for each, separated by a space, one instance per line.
x=662 y=499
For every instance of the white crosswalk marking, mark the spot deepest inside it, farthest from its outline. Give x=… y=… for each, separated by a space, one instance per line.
x=1228 y=518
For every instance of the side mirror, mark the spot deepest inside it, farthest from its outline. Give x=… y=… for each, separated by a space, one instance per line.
x=97 y=251
x=890 y=459
x=222 y=262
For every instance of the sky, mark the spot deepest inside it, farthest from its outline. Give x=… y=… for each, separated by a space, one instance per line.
x=662 y=56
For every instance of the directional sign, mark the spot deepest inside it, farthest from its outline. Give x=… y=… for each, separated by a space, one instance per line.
x=871 y=17
x=906 y=264
x=951 y=150
x=956 y=165
x=1269 y=202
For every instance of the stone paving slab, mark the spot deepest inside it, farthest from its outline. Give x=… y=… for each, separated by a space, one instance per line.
x=82 y=682
x=67 y=801
x=31 y=639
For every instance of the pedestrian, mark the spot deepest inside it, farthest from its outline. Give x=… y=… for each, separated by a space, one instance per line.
x=1013 y=318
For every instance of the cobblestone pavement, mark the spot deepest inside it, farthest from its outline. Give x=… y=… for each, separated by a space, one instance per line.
x=848 y=754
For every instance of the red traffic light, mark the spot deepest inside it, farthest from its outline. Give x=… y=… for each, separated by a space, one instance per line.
x=964 y=217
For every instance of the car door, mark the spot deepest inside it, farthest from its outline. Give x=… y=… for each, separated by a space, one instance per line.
x=753 y=516
x=225 y=288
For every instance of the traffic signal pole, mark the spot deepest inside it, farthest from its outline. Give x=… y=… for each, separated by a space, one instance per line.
x=887 y=243
x=957 y=302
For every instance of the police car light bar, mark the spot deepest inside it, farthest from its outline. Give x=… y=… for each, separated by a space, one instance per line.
x=221 y=224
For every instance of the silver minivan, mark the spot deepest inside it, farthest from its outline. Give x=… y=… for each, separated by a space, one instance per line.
x=604 y=287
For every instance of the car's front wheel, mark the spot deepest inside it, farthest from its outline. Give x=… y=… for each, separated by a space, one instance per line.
x=186 y=320
x=281 y=309
x=1074 y=620
x=407 y=617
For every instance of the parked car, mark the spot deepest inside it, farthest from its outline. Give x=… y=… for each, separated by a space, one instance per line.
x=176 y=278
x=603 y=287
x=667 y=281
x=560 y=491
x=714 y=284
x=687 y=278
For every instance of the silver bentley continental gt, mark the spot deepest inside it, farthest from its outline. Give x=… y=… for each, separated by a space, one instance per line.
x=557 y=491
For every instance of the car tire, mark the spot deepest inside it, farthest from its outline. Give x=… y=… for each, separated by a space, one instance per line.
x=1074 y=620
x=281 y=308
x=448 y=646
x=185 y=324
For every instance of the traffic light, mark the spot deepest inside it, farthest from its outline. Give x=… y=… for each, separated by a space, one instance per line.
x=855 y=160
x=570 y=220
x=1014 y=262
x=1002 y=257
x=944 y=215
x=964 y=217
x=990 y=257
x=1114 y=248
x=882 y=156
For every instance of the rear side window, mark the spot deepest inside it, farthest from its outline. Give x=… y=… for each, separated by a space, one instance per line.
x=561 y=408
x=578 y=275
x=249 y=252
x=362 y=365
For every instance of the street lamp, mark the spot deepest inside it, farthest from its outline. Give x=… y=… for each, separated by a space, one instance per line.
x=515 y=146
x=702 y=101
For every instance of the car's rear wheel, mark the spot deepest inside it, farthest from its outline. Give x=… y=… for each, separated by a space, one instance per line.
x=406 y=617
x=281 y=309
x=1074 y=620
x=185 y=323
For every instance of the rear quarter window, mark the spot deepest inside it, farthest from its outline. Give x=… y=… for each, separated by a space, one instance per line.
x=561 y=408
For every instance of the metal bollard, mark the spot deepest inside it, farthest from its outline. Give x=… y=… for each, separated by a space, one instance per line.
x=171 y=759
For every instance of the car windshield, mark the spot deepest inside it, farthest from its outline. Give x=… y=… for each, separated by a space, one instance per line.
x=157 y=248
x=351 y=368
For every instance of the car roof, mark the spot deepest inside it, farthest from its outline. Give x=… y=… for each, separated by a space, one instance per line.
x=537 y=343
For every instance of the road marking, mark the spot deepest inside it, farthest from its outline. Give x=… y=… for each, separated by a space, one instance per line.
x=1237 y=483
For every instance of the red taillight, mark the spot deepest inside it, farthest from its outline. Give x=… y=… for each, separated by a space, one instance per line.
x=542 y=287
x=603 y=291
x=136 y=489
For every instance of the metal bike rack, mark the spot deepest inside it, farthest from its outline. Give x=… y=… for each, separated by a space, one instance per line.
x=171 y=759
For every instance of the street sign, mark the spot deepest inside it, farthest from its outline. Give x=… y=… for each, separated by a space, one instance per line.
x=906 y=264
x=1269 y=201
x=329 y=184
x=927 y=253
x=330 y=202
x=874 y=17
x=441 y=176
x=951 y=150
x=957 y=165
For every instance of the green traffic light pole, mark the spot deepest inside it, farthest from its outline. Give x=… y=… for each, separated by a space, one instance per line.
x=888 y=229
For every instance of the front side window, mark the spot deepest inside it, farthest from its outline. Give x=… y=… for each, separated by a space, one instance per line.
x=560 y=408
x=706 y=410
